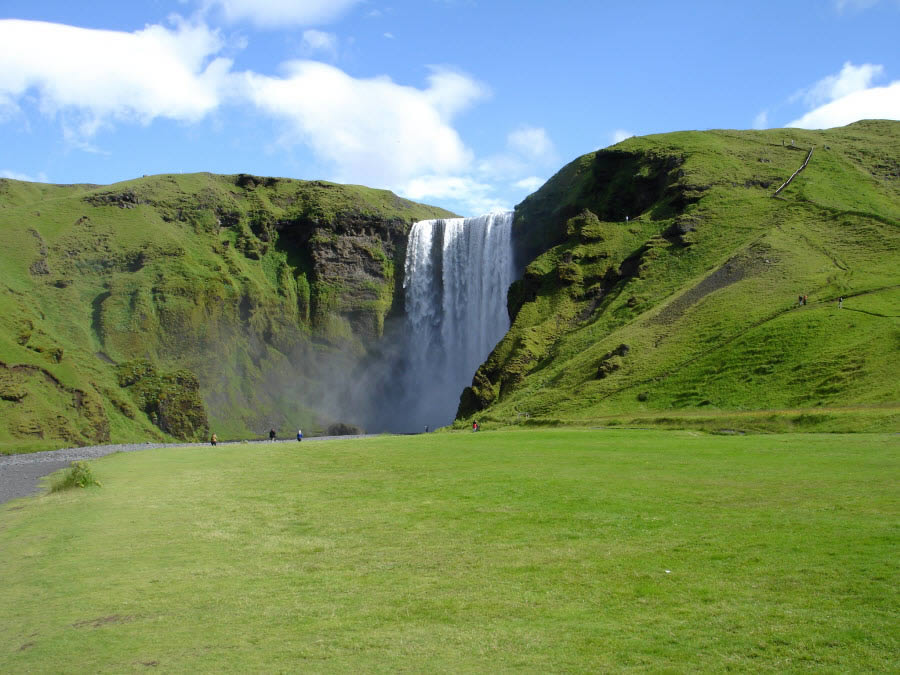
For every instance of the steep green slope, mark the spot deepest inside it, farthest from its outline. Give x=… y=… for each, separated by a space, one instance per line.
x=172 y=305
x=669 y=281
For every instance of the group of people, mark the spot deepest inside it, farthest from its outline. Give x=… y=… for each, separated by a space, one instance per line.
x=213 y=440
x=802 y=300
x=272 y=435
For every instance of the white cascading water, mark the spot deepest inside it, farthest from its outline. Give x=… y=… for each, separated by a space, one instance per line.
x=457 y=274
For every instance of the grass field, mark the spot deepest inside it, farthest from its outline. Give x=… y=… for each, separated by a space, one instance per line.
x=547 y=550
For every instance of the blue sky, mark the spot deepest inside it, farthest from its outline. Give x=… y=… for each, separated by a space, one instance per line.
x=467 y=104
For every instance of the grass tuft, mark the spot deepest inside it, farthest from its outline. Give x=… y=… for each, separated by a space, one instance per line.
x=79 y=475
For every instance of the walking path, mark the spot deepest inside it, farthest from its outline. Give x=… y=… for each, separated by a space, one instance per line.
x=20 y=475
x=794 y=175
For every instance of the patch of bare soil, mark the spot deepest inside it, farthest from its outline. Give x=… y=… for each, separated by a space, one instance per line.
x=747 y=264
x=102 y=621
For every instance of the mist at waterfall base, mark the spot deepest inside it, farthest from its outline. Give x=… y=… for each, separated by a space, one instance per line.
x=456 y=276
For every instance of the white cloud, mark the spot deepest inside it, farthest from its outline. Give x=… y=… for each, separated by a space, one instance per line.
x=851 y=79
x=531 y=142
x=761 y=121
x=389 y=36
x=280 y=13
x=450 y=92
x=530 y=184
x=372 y=131
x=476 y=197
x=511 y=173
x=848 y=96
x=874 y=103
x=97 y=76
x=15 y=175
x=841 y=5
x=527 y=149
x=319 y=41
x=8 y=107
x=503 y=166
x=505 y=173
x=620 y=135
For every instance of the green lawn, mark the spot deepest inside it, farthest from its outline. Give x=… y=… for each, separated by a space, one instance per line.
x=547 y=550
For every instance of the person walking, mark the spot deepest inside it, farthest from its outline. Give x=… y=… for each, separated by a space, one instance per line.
x=213 y=440
x=299 y=435
x=272 y=435
x=841 y=302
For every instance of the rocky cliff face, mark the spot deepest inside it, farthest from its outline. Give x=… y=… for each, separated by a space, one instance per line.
x=357 y=267
x=265 y=291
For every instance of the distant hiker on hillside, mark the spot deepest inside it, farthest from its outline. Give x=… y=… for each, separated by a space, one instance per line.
x=272 y=435
x=213 y=440
x=299 y=435
x=426 y=428
x=841 y=302
x=805 y=299
x=474 y=425
x=799 y=301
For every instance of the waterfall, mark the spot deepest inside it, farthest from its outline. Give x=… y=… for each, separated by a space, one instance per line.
x=457 y=273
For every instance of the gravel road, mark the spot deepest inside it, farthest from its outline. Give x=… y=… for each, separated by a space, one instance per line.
x=20 y=475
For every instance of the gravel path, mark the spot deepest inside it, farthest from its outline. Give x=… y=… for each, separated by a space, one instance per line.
x=20 y=475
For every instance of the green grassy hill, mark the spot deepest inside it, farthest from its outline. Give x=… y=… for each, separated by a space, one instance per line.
x=664 y=281
x=661 y=286
x=170 y=305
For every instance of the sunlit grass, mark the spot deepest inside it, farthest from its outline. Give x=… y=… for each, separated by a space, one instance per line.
x=532 y=550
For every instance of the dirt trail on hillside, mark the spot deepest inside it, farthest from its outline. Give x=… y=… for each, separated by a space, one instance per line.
x=747 y=264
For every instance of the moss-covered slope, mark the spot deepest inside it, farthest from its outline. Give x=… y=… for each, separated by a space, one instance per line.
x=169 y=305
x=663 y=275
